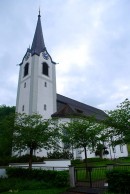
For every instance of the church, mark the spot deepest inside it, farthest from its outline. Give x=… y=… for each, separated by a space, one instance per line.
x=37 y=89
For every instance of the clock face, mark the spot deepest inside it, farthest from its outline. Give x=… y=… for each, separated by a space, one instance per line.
x=45 y=55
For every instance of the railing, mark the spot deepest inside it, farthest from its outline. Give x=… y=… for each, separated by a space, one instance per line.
x=90 y=176
x=51 y=168
x=95 y=176
x=58 y=168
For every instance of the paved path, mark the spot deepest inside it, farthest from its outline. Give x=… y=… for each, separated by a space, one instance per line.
x=84 y=190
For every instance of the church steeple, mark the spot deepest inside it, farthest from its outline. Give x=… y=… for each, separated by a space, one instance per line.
x=38 y=44
x=37 y=79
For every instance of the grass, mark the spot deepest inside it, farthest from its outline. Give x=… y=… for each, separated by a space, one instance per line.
x=43 y=191
x=102 y=162
x=97 y=173
x=28 y=186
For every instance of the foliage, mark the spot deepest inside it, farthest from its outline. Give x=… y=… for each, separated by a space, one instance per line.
x=101 y=150
x=76 y=162
x=82 y=133
x=31 y=133
x=25 y=158
x=4 y=161
x=6 y=111
x=119 y=119
x=57 y=178
x=118 y=181
x=6 y=130
x=65 y=154
x=18 y=184
x=21 y=159
x=49 y=190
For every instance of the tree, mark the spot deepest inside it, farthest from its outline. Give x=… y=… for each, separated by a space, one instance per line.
x=31 y=133
x=119 y=120
x=6 y=130
x=101 y=150
x=56 y=154
x=82 y=133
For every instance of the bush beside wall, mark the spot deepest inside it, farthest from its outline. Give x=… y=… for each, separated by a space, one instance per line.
x=118 y=181
x=57 y=178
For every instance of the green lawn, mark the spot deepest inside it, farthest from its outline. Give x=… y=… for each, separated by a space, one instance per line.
x=96 y=174
x=43 y=191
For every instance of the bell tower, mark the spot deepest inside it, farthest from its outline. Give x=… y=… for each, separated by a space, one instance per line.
x=37 y=79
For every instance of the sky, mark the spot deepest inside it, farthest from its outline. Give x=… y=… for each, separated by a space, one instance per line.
x=89 y=39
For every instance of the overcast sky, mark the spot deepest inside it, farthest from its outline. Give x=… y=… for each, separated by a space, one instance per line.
x=90 y=39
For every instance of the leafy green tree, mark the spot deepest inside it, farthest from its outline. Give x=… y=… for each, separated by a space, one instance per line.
x=101 y=150
x=119 y=120
x=6 y=130
x=6 y=111
x=82 y=133
x=56 y=154
x=32 y=133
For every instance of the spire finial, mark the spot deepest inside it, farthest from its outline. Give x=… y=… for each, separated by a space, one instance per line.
x=39 y=13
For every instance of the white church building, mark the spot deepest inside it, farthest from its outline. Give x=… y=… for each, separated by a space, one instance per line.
x=37 y=91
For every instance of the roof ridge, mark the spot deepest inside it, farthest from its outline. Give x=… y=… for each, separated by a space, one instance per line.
x=80 y=102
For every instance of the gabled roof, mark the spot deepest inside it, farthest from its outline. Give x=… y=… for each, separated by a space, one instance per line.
x=67 y=107
x=38 y=44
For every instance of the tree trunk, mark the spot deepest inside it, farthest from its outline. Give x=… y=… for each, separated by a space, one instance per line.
x=86 y=159
x=30 y=158
x=86 y=162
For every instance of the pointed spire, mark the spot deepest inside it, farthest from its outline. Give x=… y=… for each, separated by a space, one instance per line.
x=38 y=44
x=39 y=13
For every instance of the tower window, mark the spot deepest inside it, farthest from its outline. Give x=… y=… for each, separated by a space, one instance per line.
x=45 y=84
x=26 y=69
x=45 y=69
x=23 y=108
x=44 y=106
x=25 y=85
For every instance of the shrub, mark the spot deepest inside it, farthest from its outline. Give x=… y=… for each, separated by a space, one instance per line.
x=76 y=161
x=21 y=159
x=61 y=179
x=4 y=161
x=25 y=158
x=17 y=184
x=118 y=181
x=65 y=154
x=58 y=178
x=96 y=159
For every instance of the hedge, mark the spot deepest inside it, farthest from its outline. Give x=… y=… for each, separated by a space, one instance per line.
x=118 y=181
x=21 y=159
x=58 y=178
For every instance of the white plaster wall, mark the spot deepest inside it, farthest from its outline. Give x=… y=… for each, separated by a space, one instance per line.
x=46 y=94
x=117 y=152
x=3 y=173
x=47 y=165
x=45 y=97
x=57 y=163
x=23 y=94
x=79 y=153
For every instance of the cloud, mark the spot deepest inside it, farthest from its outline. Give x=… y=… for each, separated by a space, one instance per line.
x=89 y=39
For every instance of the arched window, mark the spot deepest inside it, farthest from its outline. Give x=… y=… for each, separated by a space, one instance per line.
x=45 y=69
x=26 y=69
